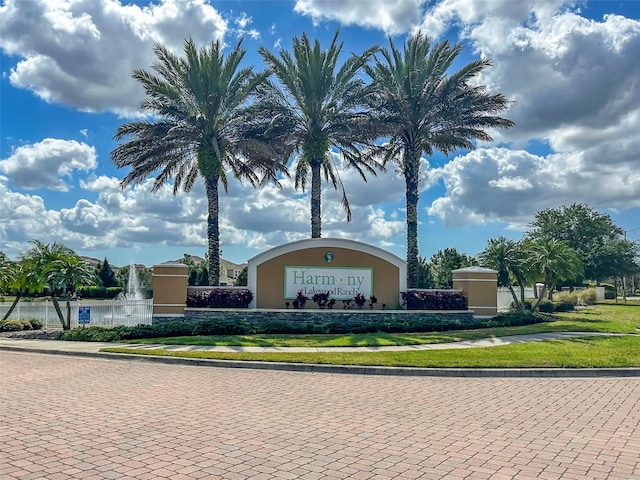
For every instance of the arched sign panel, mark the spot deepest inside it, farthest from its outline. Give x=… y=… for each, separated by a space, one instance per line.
x=344 y=268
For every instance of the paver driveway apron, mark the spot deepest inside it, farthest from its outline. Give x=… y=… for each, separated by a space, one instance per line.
x=75 y=417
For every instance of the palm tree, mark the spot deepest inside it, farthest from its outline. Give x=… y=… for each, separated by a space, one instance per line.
x=68 y=273
x=198 y=130
x=21 y=280
x=319 y=106
x=6 y=272
x=429 y=109
x=38 y=261
x=554 y=260
x=507 y=257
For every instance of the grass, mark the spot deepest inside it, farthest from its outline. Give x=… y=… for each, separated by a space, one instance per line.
x=595 y=352
x=600 y=318
x=598 y=352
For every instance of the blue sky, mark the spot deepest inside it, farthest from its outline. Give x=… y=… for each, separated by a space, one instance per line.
x=571 y=68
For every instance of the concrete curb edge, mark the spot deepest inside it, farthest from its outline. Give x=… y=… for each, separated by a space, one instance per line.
x=351 y=369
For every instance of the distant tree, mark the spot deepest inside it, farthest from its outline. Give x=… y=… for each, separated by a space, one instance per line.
x=425 y=277
x=555 y=260
x=241 y=281
x=106 y=274
x=508 y=258
x=585 y=230
x=444 y=262
x=67 y=273
x=6 y=272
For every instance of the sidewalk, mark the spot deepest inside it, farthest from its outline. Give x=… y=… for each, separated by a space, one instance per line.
x=92 y=349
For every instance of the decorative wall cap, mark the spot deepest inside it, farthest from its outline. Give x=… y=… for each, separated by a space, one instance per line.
x=328 y=243
x=474 y=269
x=170 y=265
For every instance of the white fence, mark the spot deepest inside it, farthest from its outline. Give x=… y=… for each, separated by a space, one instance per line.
x=505 y=298
x=101 y=313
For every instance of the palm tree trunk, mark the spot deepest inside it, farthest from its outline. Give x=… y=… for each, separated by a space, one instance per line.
x=515 y=297
x=68 y=324
x=13 y=306
x=56 y=305
x=411 y=176
x=213 y=229
x=316 y=183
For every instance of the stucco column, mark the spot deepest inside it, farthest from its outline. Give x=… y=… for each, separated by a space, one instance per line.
x=170 y=281
x=480 y=286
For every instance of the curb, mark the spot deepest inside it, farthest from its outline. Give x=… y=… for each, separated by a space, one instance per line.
x=352 y=369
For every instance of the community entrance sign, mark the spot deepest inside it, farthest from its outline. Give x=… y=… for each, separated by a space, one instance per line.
x=342 y=267
x=341 y=283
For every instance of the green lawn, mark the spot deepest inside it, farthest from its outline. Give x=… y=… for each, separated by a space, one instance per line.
x=600 y=318
x=598 y=352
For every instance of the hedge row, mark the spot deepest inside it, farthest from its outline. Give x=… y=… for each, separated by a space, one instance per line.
x=228 y=327
x=99 y=292
x=221 y=298
x=19 y=325
x=434 y=300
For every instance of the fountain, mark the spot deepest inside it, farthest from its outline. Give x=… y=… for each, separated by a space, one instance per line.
x=132 y=301
x=133 y=285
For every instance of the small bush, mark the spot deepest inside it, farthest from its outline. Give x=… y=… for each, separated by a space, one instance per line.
x=563 y=306
x=609 y=291
x=36 y=324
x=567 y=297
x=515 y=319
x=434 y=300
x=526 y=306
x=546 y=306
x=588 y=296
x=26 y=325
x=11 y=326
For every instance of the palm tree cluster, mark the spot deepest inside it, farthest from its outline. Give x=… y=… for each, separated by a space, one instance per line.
x=530 y=260
x=52 y=267
x=213 y=119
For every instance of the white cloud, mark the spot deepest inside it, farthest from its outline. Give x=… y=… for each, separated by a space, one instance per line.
x=501 y=14
x=498 y=184
x=392 y=17
x=44 y=164
x=575 y=82
x=81 y=53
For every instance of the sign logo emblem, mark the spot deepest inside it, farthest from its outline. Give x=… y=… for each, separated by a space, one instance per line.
x=328 y=256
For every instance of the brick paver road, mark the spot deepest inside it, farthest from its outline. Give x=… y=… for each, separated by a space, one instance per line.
x=65 y=417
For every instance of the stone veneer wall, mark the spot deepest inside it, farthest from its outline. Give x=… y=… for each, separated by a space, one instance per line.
x=311 y=316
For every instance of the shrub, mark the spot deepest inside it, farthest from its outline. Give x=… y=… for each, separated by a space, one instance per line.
x=563 y=306
x=90 y=334
x=322 y=299
x=526 y=305
x=514 y=319
x=609 y=291
x=36 y=324
x=567 y=297
x=434 y=300
x=99 y=292
x=26 y=325
x=588 y=296
x=546 y=306
x=221 y=298
x=11 y=326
